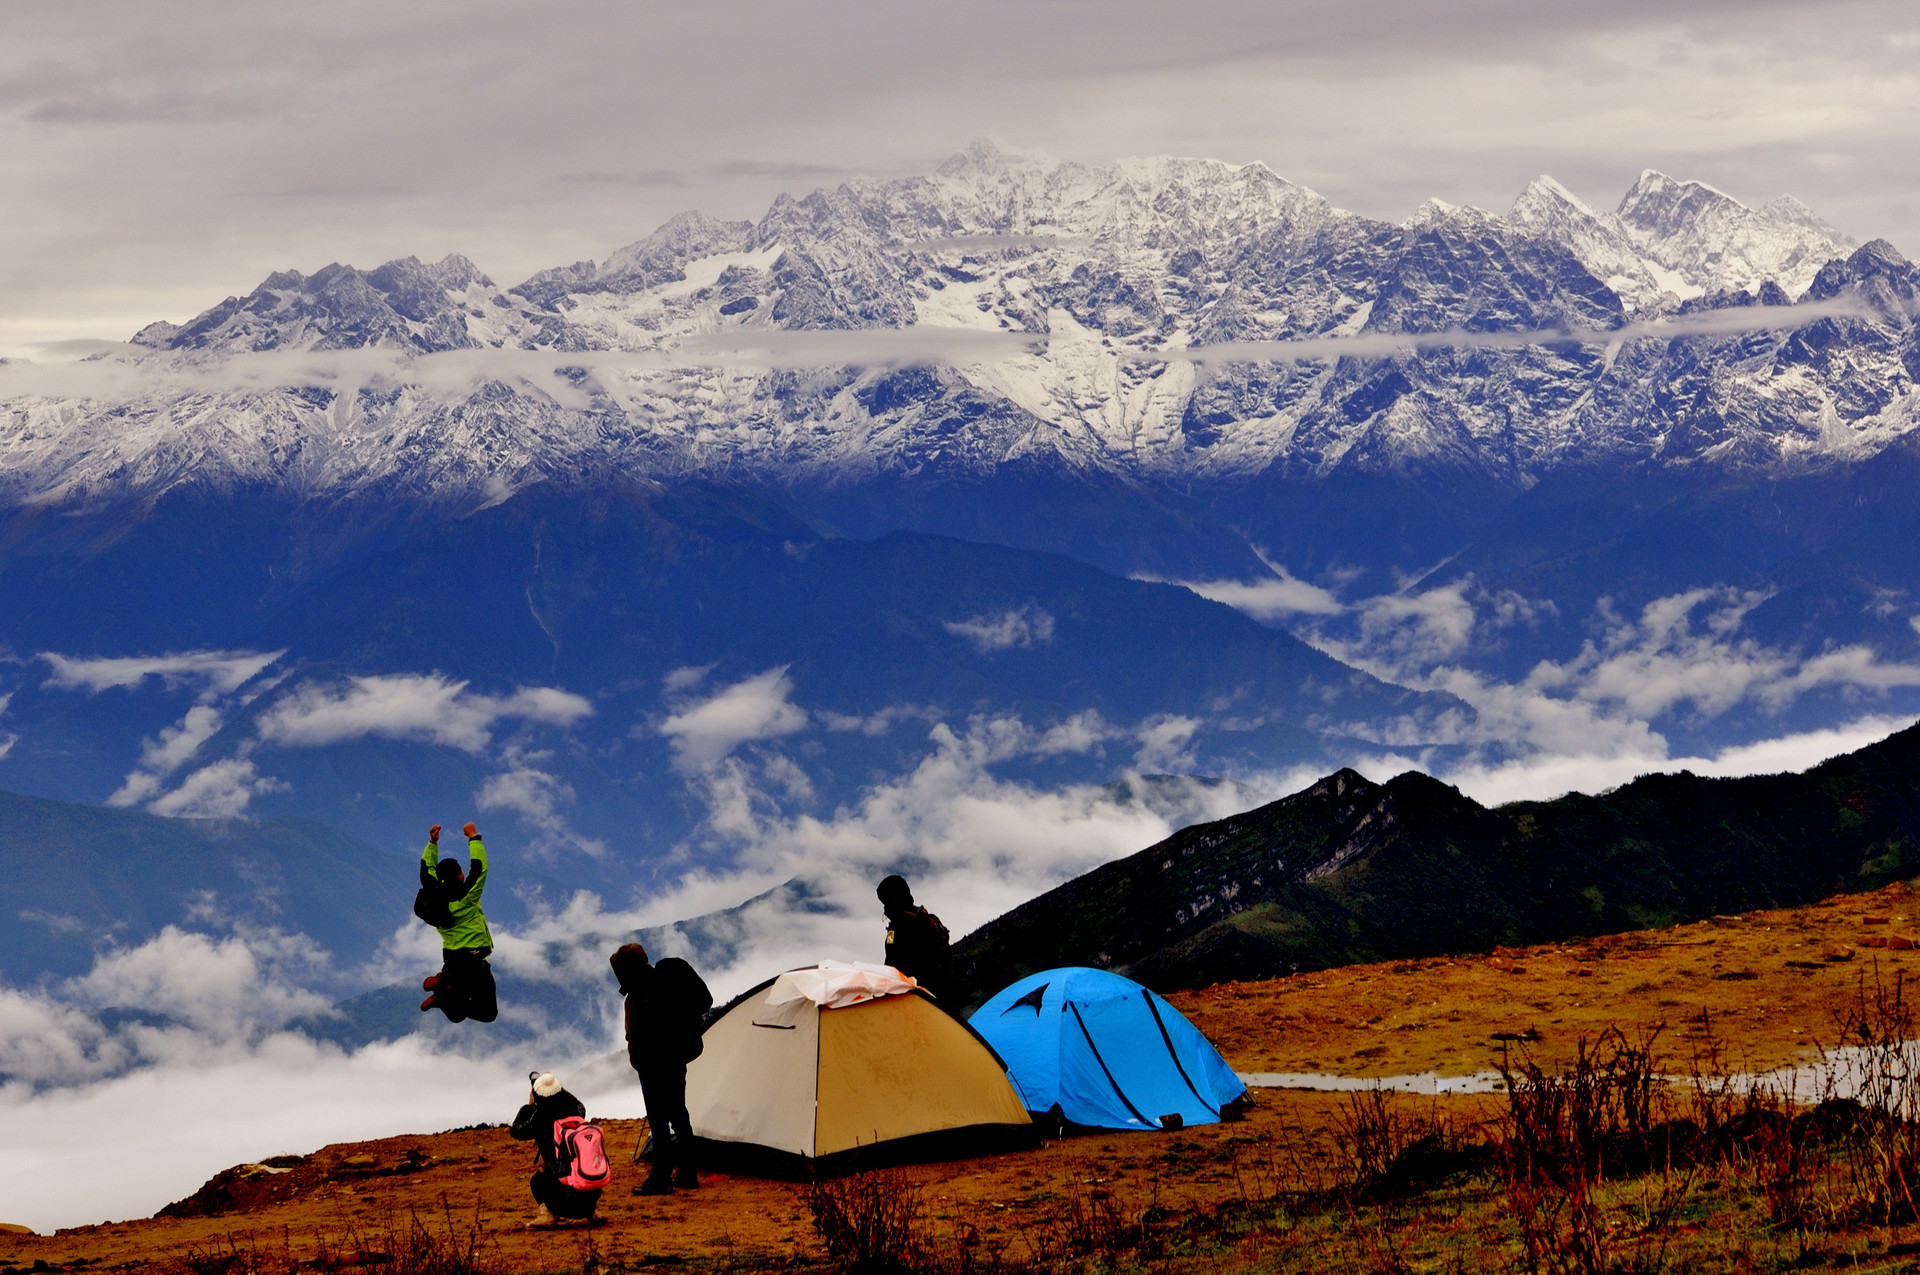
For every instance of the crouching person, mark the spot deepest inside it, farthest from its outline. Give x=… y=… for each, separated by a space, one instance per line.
x=573 y=1154
x=665 y=1005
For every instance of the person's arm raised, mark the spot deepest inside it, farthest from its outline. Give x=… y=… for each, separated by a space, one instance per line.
x=477 y=869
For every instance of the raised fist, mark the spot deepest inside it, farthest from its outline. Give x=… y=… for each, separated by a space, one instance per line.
x=471 y=831
x=433 y=834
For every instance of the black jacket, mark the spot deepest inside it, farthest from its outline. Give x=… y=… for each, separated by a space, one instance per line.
x=535 y=1123
x=917 y=946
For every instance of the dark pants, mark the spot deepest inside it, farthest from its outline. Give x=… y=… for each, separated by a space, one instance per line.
x=562 y=1200
x=665 y=1089
x=465 y=989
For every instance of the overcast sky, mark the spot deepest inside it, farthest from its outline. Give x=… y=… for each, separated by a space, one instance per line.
x=155 y=158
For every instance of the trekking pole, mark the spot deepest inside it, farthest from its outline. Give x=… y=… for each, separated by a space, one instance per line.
x=640 y=1139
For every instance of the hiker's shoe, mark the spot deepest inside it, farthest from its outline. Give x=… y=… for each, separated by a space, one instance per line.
x=655 y=1186
x=426 y=1004
x=542 y=1221
x=429 y=982
x=686 y=1179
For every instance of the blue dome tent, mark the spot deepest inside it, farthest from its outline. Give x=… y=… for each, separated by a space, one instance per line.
x=1105 y=1052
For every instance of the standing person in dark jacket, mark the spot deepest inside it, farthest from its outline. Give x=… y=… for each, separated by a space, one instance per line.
x=665 y=1007
x=916 y=941
x=546 y=1103
x=464 y=986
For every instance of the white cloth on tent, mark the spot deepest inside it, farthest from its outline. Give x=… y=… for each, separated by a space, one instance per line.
x=838 y=984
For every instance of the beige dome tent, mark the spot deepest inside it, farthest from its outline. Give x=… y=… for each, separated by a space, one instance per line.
x=842 y=1064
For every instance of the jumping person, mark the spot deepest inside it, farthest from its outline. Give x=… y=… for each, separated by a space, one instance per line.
x=464 y=986
x=916 y=941
x=665 y=1005
x=547 y=1104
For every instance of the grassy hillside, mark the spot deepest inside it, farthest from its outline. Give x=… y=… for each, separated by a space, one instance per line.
x=76 y=878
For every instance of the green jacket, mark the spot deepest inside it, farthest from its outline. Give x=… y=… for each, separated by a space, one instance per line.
x=469 y=928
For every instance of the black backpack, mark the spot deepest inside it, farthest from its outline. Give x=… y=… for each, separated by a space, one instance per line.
x=430 y=905
x=682 y=993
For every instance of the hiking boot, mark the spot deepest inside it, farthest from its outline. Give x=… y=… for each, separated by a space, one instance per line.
x=686 y=1179
x=661 y=1185
x=542 y=1221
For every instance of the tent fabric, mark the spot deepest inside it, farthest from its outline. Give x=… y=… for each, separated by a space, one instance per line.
x=807 y=1082
x=1105 y=1052
x=838 y=984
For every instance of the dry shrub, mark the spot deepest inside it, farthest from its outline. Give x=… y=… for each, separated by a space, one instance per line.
x=1565 y=1135
x=1382 y=1150
x=1880 y=1143
x=413 y=1247
x=869 y=1222
x=873 y=1224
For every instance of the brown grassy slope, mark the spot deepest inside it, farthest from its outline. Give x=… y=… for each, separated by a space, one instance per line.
x=1770 y=984
x=1373 y=1020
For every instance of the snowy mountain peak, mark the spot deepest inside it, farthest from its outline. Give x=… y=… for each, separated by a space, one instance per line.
x=1662 y=206
x=1713 y=242
x=402 y=304
x=1543 y=193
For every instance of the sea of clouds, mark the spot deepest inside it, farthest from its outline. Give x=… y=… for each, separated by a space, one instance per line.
x=211 y=1070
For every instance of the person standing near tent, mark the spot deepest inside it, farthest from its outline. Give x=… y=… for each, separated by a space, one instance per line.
x=665 y=1007
x=450 y=901
x=916 y=941
x=548 y=1105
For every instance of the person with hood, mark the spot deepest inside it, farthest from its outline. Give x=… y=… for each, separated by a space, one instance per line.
x=464 y=986
x=547 y=1103
x=666 y=1006
x=916 y=941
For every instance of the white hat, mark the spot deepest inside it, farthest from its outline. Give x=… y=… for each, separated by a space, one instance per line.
x=546 y=1085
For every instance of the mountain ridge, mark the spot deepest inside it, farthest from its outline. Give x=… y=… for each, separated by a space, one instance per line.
x=1116 y=269
x=1349 y=871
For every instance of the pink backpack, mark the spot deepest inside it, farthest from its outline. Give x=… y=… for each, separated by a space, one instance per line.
x=583 y=1149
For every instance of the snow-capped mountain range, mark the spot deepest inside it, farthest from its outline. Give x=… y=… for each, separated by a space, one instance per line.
x=1007 y=311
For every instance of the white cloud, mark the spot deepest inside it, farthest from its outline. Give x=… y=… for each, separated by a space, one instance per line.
x=160 y=757
x=1026 y=626
x=214 y=672
x=411 y=706
x=218 y=986
x=681 y=680
x=1682 y=652
x=537 y=797
x=973 y=844
x=221 y=790
x=1417 y=628
x=1268 y=600
x=1164 y=743
x=757 y=707
x=1080 y=733
x=1383 y=344
x=1544 y=776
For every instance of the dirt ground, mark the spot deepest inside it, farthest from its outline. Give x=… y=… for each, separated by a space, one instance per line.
x=1773 y=985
